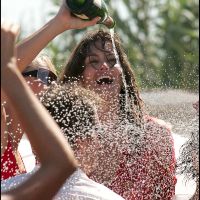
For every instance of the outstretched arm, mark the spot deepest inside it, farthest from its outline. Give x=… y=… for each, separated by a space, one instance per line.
x=56 y=156
x=29 y=48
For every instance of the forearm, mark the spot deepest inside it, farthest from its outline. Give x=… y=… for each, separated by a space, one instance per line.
x=14 y=126
x=29 y=48
x=37 y=122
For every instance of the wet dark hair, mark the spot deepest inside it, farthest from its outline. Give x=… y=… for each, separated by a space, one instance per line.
x=74 y=70
x=71 y=108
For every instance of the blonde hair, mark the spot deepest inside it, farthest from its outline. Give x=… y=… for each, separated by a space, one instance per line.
x=42 y=61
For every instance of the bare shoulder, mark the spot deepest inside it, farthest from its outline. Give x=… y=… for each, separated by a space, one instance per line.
x=154 y=122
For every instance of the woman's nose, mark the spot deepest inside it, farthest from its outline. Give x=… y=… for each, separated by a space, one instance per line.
x=104 y=66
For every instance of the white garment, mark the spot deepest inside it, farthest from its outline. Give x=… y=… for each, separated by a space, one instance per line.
x=77 y=187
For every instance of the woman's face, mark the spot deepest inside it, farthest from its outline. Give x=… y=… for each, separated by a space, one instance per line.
x=101 y=73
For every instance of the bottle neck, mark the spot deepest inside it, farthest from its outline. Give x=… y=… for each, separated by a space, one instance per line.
x=109 y=22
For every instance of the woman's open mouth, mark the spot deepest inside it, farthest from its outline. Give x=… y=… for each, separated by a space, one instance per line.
x=104 y=80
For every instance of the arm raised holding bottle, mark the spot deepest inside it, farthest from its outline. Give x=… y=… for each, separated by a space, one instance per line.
x=30 y=47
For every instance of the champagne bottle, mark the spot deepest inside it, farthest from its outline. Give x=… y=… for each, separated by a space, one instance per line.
x=89 y=9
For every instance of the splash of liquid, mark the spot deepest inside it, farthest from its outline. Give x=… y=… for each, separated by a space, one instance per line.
x=127 y=106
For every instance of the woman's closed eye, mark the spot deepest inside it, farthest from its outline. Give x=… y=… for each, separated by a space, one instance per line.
x=94 y=61
x=111 y=60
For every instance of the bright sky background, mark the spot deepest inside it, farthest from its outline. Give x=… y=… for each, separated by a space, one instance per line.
x=31 y=15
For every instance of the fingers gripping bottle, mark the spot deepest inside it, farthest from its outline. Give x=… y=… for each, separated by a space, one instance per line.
x=89 y=9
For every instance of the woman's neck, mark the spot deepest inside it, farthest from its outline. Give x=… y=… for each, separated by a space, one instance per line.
x=109 y=111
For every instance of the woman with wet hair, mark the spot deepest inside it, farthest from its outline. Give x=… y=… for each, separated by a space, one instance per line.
x=85 y=65
x=149 y=174
x=139 y=150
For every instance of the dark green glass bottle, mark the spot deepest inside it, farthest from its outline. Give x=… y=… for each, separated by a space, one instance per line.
x=89 y=9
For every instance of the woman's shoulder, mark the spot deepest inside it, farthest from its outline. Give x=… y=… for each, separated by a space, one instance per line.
x=156 y=122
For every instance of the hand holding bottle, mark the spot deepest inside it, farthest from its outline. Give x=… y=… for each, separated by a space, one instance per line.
x=65 y=20
x=89 y=9
x=30 y=47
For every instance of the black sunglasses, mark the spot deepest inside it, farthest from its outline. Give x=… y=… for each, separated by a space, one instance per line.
x=44 y=75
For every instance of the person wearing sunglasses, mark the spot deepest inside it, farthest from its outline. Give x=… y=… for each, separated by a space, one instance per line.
x=40 y=73
x=43 y=75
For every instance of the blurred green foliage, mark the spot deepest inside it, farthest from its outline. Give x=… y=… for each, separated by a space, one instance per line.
x=161 y=39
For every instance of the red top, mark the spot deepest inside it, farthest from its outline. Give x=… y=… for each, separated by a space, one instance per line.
x=9 y=166
x=148 y=174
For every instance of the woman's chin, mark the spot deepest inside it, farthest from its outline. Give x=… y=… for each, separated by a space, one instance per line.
x=107 y=92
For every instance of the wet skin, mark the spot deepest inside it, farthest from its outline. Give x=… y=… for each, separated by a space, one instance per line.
x=101 y=74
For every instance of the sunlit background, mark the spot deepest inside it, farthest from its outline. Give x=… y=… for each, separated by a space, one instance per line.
x=161 y=39
x=29 y=14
